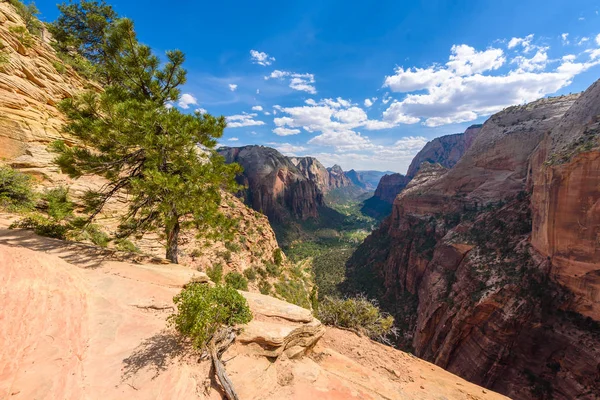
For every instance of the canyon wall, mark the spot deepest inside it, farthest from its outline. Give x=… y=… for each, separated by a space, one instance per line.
x=491 y=267
x=275 y=186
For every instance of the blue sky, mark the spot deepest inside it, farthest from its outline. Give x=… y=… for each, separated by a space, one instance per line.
x=367 y=84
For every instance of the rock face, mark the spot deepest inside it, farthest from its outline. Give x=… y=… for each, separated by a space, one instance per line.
x=492 y=265
x=367 y=180
x=445 y=150
x=31 y=84
x=83 y=326
x=276 y=187
x=380 y=204
x=338 y=178
x=326 y=179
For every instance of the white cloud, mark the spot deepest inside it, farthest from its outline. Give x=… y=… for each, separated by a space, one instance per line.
x=300 y=82
x=565 y=38
x=257 y=108
x=261 y=58
x=386 y=98
x=524 y=42
x=200 y=110
x=288 y=149
x=598 y=39
x=280 y=131
x=369 y=102
x=267 y=113
x=241 y=120
x=583 y=40
x=233 y=139
x=232 y=87
x=186 y=100
x=468 y=87
x=257 y=91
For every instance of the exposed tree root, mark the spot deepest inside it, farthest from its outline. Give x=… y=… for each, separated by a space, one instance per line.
x=216 y=347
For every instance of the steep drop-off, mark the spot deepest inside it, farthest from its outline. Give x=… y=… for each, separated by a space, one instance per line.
x=491 y=267
x=380 y=204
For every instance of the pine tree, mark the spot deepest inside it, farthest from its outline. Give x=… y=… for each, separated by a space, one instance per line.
x=163 y=159
x=81 y=27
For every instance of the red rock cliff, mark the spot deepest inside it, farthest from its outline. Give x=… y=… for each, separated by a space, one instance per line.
x=489 y=281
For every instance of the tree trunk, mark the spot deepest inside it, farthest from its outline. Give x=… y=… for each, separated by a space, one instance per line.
x=172 y=241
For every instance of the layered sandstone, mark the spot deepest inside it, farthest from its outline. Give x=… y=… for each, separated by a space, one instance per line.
x=326 y=179
x=31 y=84
x=494 y=283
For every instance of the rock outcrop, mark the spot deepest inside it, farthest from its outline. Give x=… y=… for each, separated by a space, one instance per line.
x=380 y=204
x=32 y=82
x=444 y=150
x=275 y=186
x=492 y=264
x=326 y=179
x=83 y=325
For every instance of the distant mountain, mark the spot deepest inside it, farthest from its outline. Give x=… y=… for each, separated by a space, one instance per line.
x=367 y=180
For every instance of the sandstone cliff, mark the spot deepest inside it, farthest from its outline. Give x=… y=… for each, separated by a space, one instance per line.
x=326 y=179
x=488 y=280
x=32 y=82
x=380 y=204
x=275 y=186
x=445 y=150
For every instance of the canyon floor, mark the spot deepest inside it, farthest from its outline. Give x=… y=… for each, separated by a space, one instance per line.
x=83 y=322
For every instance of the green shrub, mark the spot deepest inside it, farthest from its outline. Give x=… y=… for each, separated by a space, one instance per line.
x=126 y=245
x=59 y=206
x=59 y=67
x=264 y=287
x=278 y=256
x=202 y=310
x=262 y=272
x=359 y=314
x=215 y=273
x=236 y=281
x=29 y=14
x=22 y=35
x=273 y=270
x=94 y=234
x=196 y=253
x=42 y=226
x=16 y=190
x=233 y=247
x=293 y=291
x=250 y=274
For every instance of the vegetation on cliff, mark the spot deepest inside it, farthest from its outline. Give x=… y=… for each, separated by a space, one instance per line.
x=163 y=159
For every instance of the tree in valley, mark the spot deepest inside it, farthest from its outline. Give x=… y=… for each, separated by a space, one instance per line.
x=162 y=159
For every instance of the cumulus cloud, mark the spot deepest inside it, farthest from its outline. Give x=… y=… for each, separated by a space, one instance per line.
x=186 y=100
x=257 y=108
x=288 y=149
x=369 y=102
x=300 y=82
x=233 y=87
x=598 y=39
x=261 y=58
x=233 y=139
x=241 y=120
x=281 y=131
x=469 y=86
x=200 y=110
x=565 y=38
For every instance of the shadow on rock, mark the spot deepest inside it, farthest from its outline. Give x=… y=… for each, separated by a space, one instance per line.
x=155 y=353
